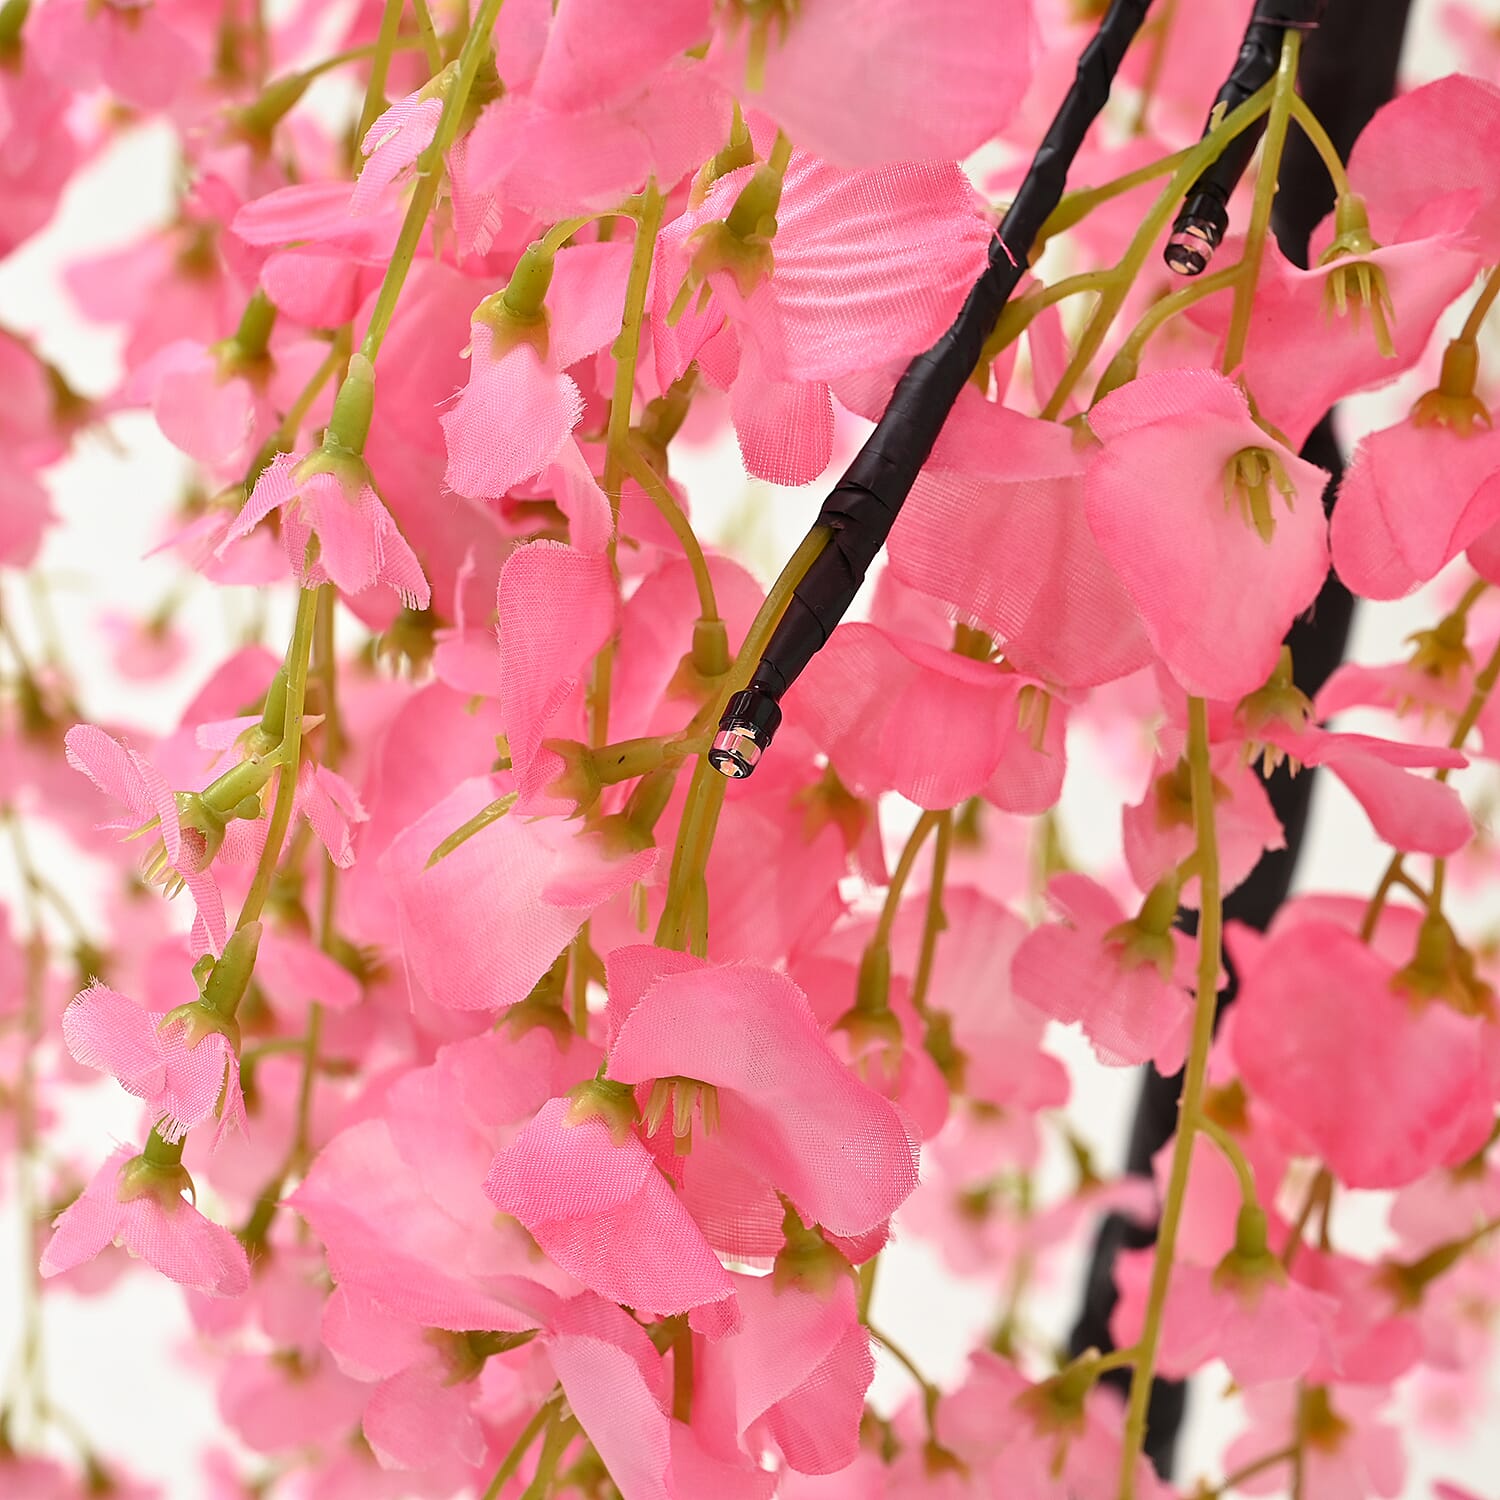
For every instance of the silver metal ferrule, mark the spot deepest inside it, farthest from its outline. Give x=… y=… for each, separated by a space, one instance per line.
x=734 y=753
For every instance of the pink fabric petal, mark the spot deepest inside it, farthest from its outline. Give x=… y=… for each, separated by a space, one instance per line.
x=477 y=928
x=1384 y=1087
x=785 y=428
x=870 y=266
x=112 y=767
x=595 y=51
x=557 y=608
x=1215 y=600
x=509 y=422
x=1413 y=813
x=1429 y=485
x=178 y=1241
x=788 y=1107
x=971 y=54
x=414 y=1419
x=605 y=1214
x=865 y=697
x=1067 y=971
x=585 y=300
x=108 y=1031
x=391 y=145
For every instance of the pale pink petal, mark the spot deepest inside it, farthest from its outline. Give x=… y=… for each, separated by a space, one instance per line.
x=112 y=767
x=973 y=55
x=1383 y=1086
x=785 y=428
x=509 y=422
x=1068 y=971
x=604 y=1213
x=391 y=145
x=108 y=1031
x=413 y=1420
x=585 y=299
x=868 y=699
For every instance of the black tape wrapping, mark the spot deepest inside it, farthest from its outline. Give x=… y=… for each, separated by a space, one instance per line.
x=1259 y=54
x=863 y=506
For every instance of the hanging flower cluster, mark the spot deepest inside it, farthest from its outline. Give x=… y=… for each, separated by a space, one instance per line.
x=526 y=1110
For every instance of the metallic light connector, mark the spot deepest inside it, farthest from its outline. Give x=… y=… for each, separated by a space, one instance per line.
x=734 y=752
x=746 y=729
x=1191 y=248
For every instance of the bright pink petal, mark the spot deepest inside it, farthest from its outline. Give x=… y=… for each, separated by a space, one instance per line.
x=788 y=1107
x=1215 y=600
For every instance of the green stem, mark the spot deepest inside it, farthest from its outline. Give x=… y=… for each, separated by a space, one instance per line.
x=298 y=655
x=1163 y=28
x=1484 y=685
x=935 y=921
x=28 y=1202
x=380 y=67
x=671 y=512
x=1122 y=366
x=930 y=1393
x=1230 y=1149
x=1190 y=1116
x=1312 y=128
x=929 y=822
x=626 y=351
x=1475 y=321
x=700 y=814
x=512 y=1460
x=627 y=346
x=1283 y=89
x=428 y=33
x=1113 y=297
x=561 y=1431
x=476 y=47
x=1251 y=1469
x=1077 y=206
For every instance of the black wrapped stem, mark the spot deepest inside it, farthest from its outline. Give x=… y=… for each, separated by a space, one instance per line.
x=1201 y=226
x=865 y=503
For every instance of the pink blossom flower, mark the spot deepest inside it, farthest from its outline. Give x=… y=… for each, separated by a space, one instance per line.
x=785 y=1106
x=519 y=369
x=797 y=1369
x=1350 y=1451
x=1134 y=1005
x=1425 y=160
x=132 y=1203
x=598 y=1207
x=144 y=51
x=995 y=527
x=182 y=1078
x=1158 y=830
x=1413 y=498
x=798 y=65
x=866 y=692
x=547 y=870
x=358 y=543
x=870 y=267
x=190 y=837
x=611 y=101
x=1215 y=528
x=1385 y=1084
x=557 y=608
x=1266 y=1329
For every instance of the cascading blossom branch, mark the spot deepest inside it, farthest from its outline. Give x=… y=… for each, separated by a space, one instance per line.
x=531 y=1113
